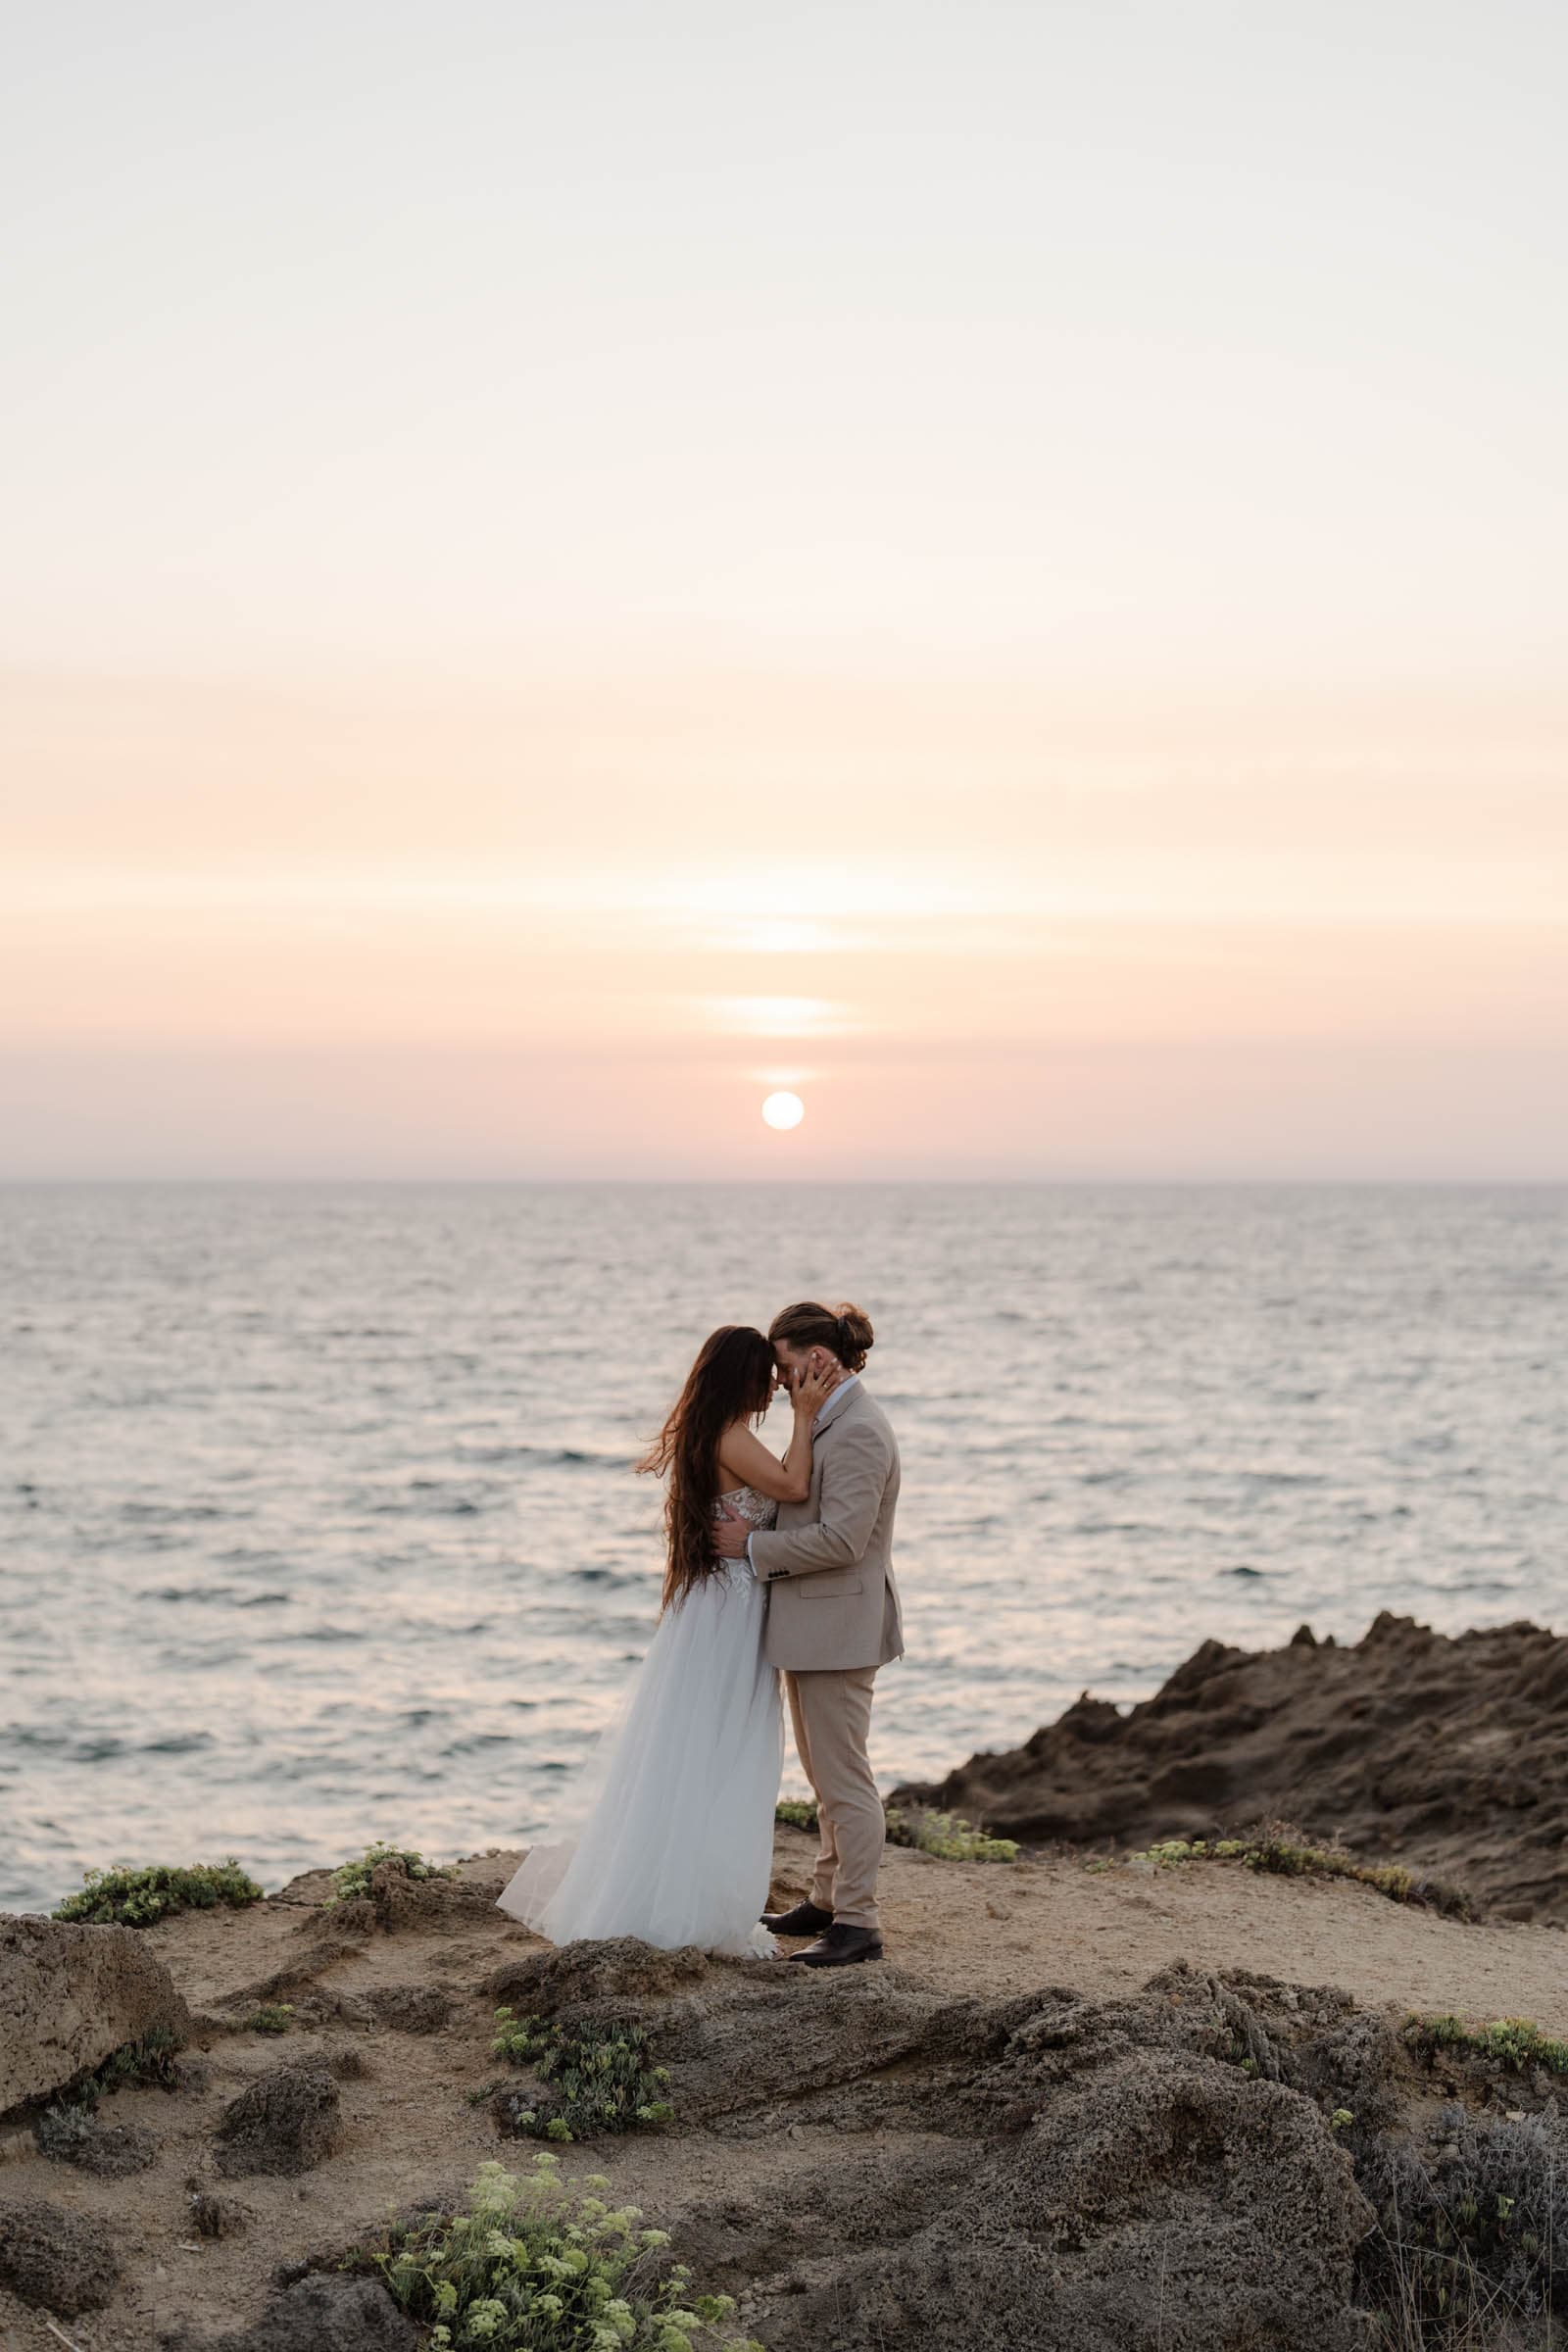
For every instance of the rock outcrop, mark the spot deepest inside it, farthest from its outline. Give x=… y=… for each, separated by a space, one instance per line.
x=1448 y=1753
x=319 y=2314
x=1104 y=2109
x=285 y=2122
x=63 y=2261
x=1050 y=2170
x=70 y=1995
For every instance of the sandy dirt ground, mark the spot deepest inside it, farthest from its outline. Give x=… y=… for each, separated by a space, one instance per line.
x=410 y=2132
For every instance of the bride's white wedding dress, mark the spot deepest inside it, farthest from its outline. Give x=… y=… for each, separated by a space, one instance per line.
x=671 y=1818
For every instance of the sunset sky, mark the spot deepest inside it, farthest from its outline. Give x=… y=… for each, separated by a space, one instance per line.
x=999 y=566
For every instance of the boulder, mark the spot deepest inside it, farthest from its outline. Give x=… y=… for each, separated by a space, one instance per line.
x=619 y=1968
x=68 y=1995
x=285 y=2122
x=324 y=2315
x=63 y=2261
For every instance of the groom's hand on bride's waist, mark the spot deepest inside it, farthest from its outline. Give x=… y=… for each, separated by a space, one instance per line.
x=731 y=1534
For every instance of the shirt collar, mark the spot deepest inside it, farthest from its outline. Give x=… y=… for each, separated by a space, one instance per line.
x=852 y=1381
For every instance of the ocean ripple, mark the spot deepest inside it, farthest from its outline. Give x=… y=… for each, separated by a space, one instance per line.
x=1287 y=1402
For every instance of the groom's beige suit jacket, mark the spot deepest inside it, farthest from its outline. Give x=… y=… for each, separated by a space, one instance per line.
x=828 y=1564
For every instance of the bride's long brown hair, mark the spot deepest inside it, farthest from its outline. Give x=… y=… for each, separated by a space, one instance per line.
x=731 y=1380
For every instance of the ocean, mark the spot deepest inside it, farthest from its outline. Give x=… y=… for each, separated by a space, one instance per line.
x=317 y=1522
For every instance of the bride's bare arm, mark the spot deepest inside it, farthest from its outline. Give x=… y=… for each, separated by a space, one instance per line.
x=744 y=1458
x=746 y=1461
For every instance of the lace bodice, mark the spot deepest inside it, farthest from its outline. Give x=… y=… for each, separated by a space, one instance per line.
x=757 y=1509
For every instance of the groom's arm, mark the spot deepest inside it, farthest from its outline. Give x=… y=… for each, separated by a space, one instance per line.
x=855 y=1479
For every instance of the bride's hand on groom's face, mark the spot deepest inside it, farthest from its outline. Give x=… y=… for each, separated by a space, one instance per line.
x=812 y=1387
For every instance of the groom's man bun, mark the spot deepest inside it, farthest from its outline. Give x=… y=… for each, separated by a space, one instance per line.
x=845 y=1331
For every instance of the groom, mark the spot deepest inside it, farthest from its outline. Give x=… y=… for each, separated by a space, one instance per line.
x=832 y=1620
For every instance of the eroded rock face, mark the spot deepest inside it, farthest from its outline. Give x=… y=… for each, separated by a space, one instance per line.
x=742 y=2059
x=68 y=1995
x=325 y=2315
x=63 y=2261
x=1046 y=2174
x=1448 y=1753
x=619 y=1969
x=440 y=1907
x=285 y=2122
x=409 y=2008
x=1192 y=2213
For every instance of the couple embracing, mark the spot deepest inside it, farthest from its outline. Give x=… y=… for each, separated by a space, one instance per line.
x=775 y=1571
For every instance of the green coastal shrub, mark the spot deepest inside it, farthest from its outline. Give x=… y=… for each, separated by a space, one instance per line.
x=353 y=1879
x=947 y=1835
x=1515 y=2042
x=272 y=2017
x=135 y=1898
x=536 y=2266
x=152 y=2059
x=599 y=2077
x=1285 y=1857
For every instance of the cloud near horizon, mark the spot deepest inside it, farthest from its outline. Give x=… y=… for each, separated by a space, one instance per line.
x=1314 y=936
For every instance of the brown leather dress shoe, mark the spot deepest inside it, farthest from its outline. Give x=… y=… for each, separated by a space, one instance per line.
x=806 y=1919
x=841 y=1947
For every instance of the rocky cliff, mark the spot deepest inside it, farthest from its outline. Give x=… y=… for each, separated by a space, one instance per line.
x=1449 y=1752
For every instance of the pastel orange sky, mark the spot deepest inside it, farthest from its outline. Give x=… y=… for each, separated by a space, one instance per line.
x=558 y=579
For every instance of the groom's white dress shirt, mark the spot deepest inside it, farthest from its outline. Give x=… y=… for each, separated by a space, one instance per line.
x=829 y=1402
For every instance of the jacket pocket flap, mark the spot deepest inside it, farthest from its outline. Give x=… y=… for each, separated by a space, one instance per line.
x=821 y=1587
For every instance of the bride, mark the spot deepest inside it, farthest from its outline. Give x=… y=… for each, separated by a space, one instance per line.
x=671 y=1832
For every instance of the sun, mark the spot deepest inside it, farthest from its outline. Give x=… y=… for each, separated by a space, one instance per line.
x=783 y=1111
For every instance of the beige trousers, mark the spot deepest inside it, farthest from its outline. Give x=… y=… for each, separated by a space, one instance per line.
x=831 y=1712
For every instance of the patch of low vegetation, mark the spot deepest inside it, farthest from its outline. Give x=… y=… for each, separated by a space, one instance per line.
x=136 y=1898
x=70 y=2129
x=65 y=2131
x=1514 y=2042
x=535 y=2265
x=69 y=2132
x=272 y=2017
x=947 y=1835
x=598 y=2078
x=1471 y=2247
x=353 y=1879
x=152 y=2059
x=1287 y=1857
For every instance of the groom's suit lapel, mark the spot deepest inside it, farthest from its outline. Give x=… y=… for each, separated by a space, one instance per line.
x=836 y=1407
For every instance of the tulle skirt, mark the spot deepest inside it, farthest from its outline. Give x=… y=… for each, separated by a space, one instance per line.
x=669 y=1833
